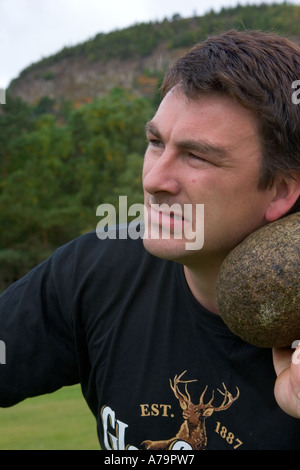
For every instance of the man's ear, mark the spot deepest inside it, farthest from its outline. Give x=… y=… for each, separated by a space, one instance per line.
x=286 y=190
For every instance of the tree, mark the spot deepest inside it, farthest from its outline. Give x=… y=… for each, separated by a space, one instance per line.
x=58 y=174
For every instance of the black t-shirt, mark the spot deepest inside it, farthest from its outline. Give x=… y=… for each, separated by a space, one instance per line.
x=157 y=370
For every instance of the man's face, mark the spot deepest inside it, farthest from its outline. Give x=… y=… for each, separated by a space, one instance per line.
x=203 y=152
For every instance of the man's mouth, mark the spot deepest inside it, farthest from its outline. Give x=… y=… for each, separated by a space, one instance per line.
x=173 y=215
x=166 y=219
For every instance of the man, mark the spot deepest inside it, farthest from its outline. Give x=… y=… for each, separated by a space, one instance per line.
x=136 y=321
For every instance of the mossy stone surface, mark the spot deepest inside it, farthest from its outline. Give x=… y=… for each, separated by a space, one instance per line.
x=258 y=287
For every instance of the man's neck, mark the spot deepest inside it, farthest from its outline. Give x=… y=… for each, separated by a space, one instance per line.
x=202 y=284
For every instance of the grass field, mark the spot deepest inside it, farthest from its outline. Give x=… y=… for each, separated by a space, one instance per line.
x=58 y=421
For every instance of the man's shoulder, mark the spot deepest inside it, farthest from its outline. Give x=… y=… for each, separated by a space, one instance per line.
x=116 y=244
x=116 y=260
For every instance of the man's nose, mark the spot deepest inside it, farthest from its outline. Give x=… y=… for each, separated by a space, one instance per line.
x=161 y=175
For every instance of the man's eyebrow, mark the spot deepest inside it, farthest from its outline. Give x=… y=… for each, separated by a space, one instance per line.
x=202 y=147
x=150 y=127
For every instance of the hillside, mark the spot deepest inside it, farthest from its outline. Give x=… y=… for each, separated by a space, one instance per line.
x=136 y=57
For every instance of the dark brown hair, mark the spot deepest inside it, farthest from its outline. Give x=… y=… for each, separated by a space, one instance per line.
x=257 y=69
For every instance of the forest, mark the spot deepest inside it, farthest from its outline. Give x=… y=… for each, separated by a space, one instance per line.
x=57 y=168
x=59 y=162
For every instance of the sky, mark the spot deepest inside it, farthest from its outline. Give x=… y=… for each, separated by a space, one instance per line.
x=33 y=29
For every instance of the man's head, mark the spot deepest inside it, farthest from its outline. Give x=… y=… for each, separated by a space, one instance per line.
x=257 y=70
x=226 y=135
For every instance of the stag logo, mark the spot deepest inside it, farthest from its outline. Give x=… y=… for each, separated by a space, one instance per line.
x=192 y=430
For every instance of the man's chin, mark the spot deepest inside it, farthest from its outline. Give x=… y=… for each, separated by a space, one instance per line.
x=171 y=249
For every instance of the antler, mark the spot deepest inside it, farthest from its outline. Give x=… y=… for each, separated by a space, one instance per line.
x=208 y=404
x=228 y=399
x=208 y=407
x=178 y=394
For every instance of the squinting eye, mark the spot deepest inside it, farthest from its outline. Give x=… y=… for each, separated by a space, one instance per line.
x=196 y=157
x=154 y=142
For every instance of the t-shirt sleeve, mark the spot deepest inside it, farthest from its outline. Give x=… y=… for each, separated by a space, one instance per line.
x=36 y=329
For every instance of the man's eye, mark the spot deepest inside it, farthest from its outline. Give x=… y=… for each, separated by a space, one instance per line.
x=154 y=142
x=196 y=157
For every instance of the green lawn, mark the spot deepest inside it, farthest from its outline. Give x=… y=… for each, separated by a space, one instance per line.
x=58 y=421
